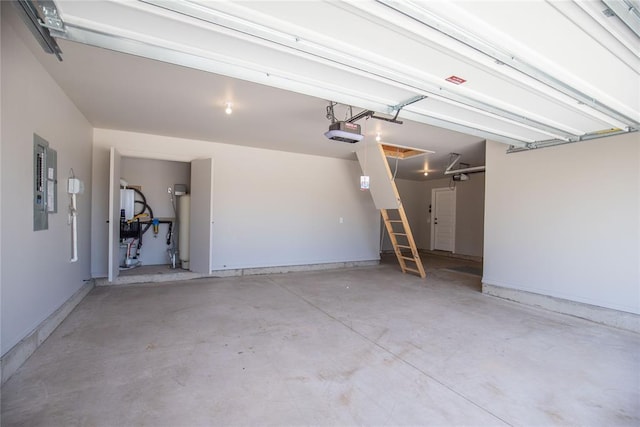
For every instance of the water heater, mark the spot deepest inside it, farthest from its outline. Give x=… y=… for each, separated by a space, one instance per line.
x=127 y=203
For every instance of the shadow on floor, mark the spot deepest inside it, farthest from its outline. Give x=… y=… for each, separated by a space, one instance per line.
x=460 y=272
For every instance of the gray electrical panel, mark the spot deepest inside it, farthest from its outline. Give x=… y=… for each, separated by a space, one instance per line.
x=45 y=180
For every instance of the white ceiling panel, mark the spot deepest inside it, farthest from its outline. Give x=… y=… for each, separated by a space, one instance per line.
x=574 y=54
x=376 y=53
x=479 y=119
x=533 y=73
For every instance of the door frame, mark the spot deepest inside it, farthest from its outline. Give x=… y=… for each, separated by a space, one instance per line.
x=433 y=215
x=113 y=261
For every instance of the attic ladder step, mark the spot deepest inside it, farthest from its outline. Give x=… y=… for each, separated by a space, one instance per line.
x=385 y=196
x=406 y=235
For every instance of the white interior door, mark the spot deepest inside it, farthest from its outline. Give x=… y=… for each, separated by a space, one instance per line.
x=114 y=214
x=444 y=219
x=201 y=217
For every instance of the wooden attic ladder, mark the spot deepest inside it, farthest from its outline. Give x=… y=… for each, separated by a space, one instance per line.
x=386 y=198
x=402 y=240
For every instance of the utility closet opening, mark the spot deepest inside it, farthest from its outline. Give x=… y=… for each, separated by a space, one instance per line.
x=154 y=216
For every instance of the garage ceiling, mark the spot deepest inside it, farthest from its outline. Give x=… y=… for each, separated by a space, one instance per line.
x=527 y=74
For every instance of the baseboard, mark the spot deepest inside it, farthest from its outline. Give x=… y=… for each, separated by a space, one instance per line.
x=605 y=316
x=149 y=278
x=20 y=352
x=441 y=253
x=292 y=268
x=451 y=255
x=233 y=272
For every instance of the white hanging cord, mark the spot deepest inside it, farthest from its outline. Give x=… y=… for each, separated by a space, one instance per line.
x=364 y=169
x=396 y=168
x=74 y=229
x=348 y=113
x=73 y=219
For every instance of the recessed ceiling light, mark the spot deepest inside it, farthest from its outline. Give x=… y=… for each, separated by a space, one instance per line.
x=228 y=108
x=426 y=173
x=378 y=137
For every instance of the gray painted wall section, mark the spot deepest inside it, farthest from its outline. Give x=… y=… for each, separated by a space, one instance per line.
x=564 y=221
x=36 y=275
x=470 y=215
x=416 y=197
x=270 y=208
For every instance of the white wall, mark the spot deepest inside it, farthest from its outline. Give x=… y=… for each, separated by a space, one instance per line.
x=155 y=176
x=36 y=276
x=470 y=215
x=270 y=208
x=564 y=221
x=416 y=197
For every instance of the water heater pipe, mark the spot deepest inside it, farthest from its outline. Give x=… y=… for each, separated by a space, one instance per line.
x=74 y=229
x=184 y=207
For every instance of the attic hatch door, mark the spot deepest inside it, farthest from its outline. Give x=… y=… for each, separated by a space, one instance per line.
x=374 y=164
x=401 y=152
x=114 y=215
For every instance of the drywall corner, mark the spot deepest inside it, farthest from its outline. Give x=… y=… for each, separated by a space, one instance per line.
x=564 y=230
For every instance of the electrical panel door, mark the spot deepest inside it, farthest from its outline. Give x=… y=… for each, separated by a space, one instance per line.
x=45 y=179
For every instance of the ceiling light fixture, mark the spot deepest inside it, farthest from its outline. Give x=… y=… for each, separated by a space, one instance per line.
x=228 y=108
x=426 y=173
x=378 y=138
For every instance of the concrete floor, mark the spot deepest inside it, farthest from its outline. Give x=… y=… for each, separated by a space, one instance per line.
x=362 y=346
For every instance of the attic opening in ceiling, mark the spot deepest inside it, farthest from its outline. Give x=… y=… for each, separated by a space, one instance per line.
x=401 y=152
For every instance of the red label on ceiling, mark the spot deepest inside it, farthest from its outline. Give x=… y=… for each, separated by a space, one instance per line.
x=456 y=80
